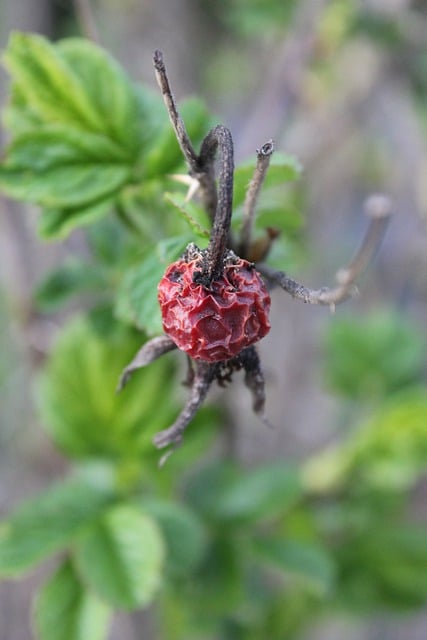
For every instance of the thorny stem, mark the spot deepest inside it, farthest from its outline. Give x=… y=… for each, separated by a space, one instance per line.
x=263 y=161
x=203 y=171
x=219 y=138
x=378 y=208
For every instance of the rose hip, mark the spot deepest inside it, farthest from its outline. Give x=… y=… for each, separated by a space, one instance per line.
x=215 y=322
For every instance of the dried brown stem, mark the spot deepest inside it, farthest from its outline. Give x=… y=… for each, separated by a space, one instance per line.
x=263 y=161
x=203 y=377
x=219 y=138
x=378 y=208
x=177 y=122
x=201 y=168
x=254 y=378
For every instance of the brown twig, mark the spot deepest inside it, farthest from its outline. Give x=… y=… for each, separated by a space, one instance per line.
x=378 y=208
x=263 y=162
x=280 y=91
x=201 y=168
x=203 y=376
x=177 y=122
x=219 y=138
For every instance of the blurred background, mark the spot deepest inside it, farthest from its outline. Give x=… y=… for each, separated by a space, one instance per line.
x=341 y=85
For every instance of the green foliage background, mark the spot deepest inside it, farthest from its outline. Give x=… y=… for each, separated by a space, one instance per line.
x=221 y=550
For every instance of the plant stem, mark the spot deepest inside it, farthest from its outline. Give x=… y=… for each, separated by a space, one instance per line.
x=378 y=208
x=203 y=171
x=219 y=138
x=263 y=161
x=177 y=122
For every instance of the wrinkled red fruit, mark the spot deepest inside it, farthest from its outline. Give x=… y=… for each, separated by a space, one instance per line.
x=214 y=323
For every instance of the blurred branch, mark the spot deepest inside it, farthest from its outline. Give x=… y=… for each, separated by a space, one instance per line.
x=86 y=20
x=263 y=162
x=378 y=208
x=280 y=92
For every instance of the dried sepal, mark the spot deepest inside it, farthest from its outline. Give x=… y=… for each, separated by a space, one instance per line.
x=204 y=374
x=150 y=351
x=254 y=380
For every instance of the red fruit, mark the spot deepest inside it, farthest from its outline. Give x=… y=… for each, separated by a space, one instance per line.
x=214 y=323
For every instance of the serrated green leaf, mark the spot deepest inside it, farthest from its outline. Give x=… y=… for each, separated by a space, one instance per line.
x=65 y=610
x=137 y=302
x=58 y=223
x=48 y=83
x=48 y=523
x=121 y=557
x=77 y=396
x=18 y=115
x=283 y=168
x=310 y=563
x=55 y=145
x=76 y=121
x=72 y=277
x=109 y=91
x=183 y=532
x=74 y=83
x=72 y=186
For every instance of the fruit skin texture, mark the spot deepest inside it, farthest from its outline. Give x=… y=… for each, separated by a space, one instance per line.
x=215 y=323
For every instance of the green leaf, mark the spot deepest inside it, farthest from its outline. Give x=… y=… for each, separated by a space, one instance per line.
x=385 y=566
x=72 y=277
x=121 y=557
x=77 y=395
x=264 y=492
x=207 y=485
x=68 y=186
x=18 y=115
x=48 y=83
x=387 y=453
x=283 y=169
x=183 y=532
x=73 y=82
x=56 y=145
x=308 y=562
x=58 y=223
x=65 y=610
x=110 y=92
x=390 y=451
x=76 y=124
x=137 y=302
x=48 y=523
